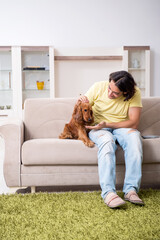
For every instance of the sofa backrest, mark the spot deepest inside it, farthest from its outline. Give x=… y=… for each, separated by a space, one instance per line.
x=45 y=118
x=150 y=117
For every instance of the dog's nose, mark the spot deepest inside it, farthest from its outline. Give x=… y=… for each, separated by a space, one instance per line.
x=89 y=119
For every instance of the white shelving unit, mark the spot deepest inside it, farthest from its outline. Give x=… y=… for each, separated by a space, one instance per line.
x=20 y=69
x=136 y=60
x=6 y=93
x=73 y=70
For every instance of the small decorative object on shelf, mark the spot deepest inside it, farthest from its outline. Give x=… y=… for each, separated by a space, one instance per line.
x=34 y=68
x=8 y=106
x=1 y=107
x=136 y=63
x=5 y=107
x=40 y=85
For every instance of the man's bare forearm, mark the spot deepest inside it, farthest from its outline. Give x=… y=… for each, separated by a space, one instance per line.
x=123 y=124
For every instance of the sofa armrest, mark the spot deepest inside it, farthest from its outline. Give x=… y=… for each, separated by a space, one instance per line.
x=12 y=131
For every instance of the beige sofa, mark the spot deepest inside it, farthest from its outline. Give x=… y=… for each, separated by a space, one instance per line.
x=34 y=156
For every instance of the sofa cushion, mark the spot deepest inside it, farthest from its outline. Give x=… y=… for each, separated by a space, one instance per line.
x=61 y=152
x=57 y=151
x=74 y=152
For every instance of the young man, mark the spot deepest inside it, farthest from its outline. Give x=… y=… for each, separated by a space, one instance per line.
x=117 y=106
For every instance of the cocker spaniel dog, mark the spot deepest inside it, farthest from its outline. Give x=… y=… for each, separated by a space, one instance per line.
x=75 y=129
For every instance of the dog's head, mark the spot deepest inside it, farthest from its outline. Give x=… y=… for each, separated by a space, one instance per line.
x=83 y=113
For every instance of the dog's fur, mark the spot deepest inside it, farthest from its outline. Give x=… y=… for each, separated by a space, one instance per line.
x=75 y=129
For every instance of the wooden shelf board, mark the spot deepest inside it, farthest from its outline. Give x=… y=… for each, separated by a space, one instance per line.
x=136 y=47
x=136 y=69
x=86 y=58
x=35 y=48
x=5 y=48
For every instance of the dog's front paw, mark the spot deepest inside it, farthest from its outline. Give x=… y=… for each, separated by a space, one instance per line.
x=65 y=136
x=60 y=136
x=89 y=144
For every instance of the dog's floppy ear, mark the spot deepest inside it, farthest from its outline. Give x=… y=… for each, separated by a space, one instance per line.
x=77 y=112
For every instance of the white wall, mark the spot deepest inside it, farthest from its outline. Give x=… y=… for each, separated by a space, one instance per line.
x=84 y=23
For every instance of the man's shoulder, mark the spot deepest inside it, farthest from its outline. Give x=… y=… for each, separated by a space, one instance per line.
x=136 y=100
x=137 y=93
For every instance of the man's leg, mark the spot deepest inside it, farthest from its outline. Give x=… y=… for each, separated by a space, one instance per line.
x=106 y=159
x=106 y=165
x=130 y=140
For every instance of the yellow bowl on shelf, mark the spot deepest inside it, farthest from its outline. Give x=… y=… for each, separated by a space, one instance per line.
x=40 y=85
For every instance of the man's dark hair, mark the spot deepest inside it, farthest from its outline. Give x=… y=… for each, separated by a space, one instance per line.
x=125 y=82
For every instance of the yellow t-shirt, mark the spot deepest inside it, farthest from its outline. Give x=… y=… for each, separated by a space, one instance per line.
x=110 y=110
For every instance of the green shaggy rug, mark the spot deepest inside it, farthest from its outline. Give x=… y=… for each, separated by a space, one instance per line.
x=77 y=216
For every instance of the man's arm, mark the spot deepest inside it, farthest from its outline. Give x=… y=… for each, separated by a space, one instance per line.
x=132 y=122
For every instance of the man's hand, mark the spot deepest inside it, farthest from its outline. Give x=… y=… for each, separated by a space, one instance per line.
x=83 y=99
x=98 y=126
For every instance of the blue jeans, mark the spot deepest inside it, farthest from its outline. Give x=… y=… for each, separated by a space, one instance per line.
x=130 y=141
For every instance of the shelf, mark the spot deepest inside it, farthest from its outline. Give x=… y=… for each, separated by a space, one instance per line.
x=6 y=112
x=5 y=90
x=35 y=70
x=5 y=48
x=3 y=115
x=85 y=58
x=35 y=90
x=139 y=48
x=136 y=69
x=35 y=48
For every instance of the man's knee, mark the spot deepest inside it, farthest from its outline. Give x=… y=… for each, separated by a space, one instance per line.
x=107 y=137
x=134 y=138
x=133 y=132
x=107 y=143
x=100 y=135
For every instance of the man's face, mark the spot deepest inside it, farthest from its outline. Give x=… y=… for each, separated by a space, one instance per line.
x=113 y=90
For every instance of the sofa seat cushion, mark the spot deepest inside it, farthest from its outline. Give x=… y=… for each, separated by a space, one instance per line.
x=57 y=152
x=53 y=151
